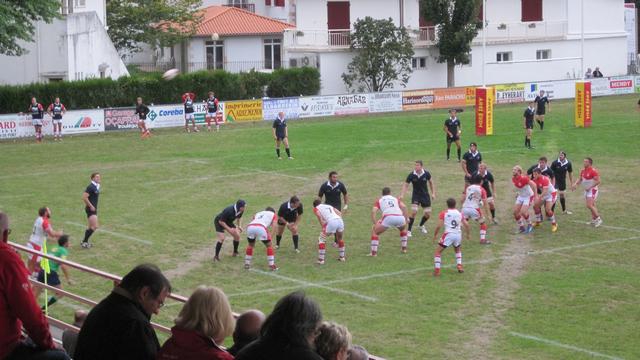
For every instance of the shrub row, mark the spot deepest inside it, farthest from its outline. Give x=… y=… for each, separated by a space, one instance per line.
x=152 y=88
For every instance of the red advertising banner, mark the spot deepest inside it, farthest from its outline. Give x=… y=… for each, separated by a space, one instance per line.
x=583 y=104
x=484 y=111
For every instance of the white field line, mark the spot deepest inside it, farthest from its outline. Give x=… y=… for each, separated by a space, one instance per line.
x=249 y=170
x=420 y=269
x=203 y=178
x=116 y=234
x=310 y=284
x=564 y=346
x=607 y=226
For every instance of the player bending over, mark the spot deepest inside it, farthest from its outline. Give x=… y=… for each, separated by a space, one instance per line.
x=289 y=216
x=229 y=220
x=394 y=214
x=546 y=197
x=330 y=219
x=450 y=220
x=258 y=228
x=525 y=190
x=474 y=198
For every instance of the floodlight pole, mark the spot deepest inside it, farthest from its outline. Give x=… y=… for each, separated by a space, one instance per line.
x=484 y=40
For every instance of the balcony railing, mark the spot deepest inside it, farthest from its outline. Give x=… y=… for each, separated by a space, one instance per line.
x=248 y=7
x=230 y=66
x=335 y=38
x=427 y=34
x=523 y=31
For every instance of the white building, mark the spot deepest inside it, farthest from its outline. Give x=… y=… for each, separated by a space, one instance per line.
x=74 y=47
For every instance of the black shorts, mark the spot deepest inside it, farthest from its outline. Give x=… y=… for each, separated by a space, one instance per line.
x=90 y=212
x=423 y=201
x=529 y=125
x=540 y=112
x=52 y=278
x=453 y=138
x=219 y=227
x=280 y=137
x=561 y=184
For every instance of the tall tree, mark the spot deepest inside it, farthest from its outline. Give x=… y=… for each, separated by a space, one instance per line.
x=383 y=55
x=152 y=22
x=457 y=24
x=17 y=22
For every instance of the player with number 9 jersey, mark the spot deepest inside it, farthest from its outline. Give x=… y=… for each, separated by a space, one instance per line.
x=451 y=221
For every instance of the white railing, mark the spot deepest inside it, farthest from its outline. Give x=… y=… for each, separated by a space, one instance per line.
x=337 y=38
x=523 y=31
x=427 y=35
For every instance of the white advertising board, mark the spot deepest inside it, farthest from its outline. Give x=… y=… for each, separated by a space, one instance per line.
x=290 y=107
x=14 y=126
x=83 y=121
x=161 y=116
x=385 y=102
x=314 y=106
x=351 y=104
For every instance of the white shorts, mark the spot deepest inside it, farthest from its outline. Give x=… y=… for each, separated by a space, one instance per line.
x=35 y=247
x=56 y=121
x=551 y=197
x=36 y=122
x=591 y=193
x=257 y=231
x=393 y=221
x=449 y=239
x=333 y=226
x=471 y=213
x=189 y=116
x=524 y=200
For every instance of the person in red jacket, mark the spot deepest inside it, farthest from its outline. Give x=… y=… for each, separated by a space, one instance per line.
x=18 y=309
x=203 y=323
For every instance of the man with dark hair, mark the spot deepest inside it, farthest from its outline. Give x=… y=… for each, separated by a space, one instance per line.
x=470 y=162
x=229 y=220
x=544 y=169
x=90 y=199
x=52 y=278
x=541 y=102
x=561 y=167
x=488 y=184
x=19 y=309
x=258 y=229
x=289 y=216
x=119 y=326
x=394 y=214
x=36 y=110
x=451 y=220
x=56 y=110
x=527 y=117
x=331 y=223
x=419 y=179
x=590 y=180
x=289 y=331
x=41 y=230
x=453 y=129
x=281 y=134
x=247 y=330
x=332 y=189
x=142 y=111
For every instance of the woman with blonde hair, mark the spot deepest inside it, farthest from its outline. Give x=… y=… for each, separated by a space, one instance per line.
x=203 y=323
x=333 y=341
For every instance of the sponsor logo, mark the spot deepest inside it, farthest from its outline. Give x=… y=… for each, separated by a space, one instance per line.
x=416 y=100
x=620 y=84
x=304 y=106
x=152 y=115
x=8 y=125
x=347 y=100
x=84 y=122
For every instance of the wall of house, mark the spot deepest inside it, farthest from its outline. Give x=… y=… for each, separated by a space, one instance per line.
x=601 y=17
x=97 y=6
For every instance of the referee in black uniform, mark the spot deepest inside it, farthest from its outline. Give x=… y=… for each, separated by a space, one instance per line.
x=453 y=129
x=90 y=200
x=541 y=101
x=561 y=167
x=527 y=117
x=229 y=220
x=470 y=162
x=289 y=216
x=281 y=134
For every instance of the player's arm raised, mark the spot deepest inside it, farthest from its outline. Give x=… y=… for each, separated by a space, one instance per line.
x=52 y=233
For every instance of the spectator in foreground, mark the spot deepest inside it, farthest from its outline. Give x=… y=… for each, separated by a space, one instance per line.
x=247 y=330
x=119 y=327
x=203 y=323
x=333 y=341
x=18 y=309
x=357 y=352
x=597 y=73
x=289 y=332
x=70 y=337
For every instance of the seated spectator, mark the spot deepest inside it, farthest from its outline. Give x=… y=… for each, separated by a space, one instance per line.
x=70 y=337
x=357 y=352
x=119 y=327
x=247 y=330
x=588 y=74
x=333 y=341
x=289 y=332
x=204 y=322
x=597 y=73
x=18 y=309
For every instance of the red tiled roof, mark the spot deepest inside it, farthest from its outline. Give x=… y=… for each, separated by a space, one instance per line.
x=232 y=21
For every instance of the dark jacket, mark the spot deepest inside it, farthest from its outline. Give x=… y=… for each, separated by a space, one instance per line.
x=262 y=350
x=117 y=328
x=190 y=345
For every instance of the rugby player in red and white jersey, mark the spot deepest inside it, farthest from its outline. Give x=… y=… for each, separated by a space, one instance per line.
x=41 y=229
x=330 y=219
x=525 y=190
x=258 y=228
x=547 y=197
x=394 y=214
x=451 y=220
x=590 y=179
x=474 y=199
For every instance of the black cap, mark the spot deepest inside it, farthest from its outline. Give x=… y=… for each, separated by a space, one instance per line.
x=240 y=203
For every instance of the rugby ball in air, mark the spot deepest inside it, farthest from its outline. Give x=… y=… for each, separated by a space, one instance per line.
x=170 y=74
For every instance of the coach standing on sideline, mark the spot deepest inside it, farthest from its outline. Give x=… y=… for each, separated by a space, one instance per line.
x=281 y=134
x=90 y=199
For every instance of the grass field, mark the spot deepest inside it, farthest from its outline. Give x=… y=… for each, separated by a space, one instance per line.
x=569 y=295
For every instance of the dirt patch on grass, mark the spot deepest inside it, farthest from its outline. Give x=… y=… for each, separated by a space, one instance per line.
x=193 y=261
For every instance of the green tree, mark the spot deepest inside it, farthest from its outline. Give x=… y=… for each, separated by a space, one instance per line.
x=153 y=22
x=17 y=18
x=457 y=24
x=383 y=55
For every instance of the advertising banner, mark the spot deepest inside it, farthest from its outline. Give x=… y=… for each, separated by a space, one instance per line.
x=271 y=108
x=83 y=121
x=533 y=89
x=385 y=102
x=242 y=111
x=583 y=104
x=600 y=87
x=564 y=89
x=435 y=99
x=161 y=116
x=484 y=111
x=351 y=104
x=120 y=119
x=314 y=106
x=621 y=85
x=470 y=96
x=14 y=126
x=509 y=93
x=637 y=82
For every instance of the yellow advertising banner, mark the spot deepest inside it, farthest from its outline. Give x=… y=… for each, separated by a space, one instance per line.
x=583 y=104
x=509 y=93
x=484 y=99
x=242 y=111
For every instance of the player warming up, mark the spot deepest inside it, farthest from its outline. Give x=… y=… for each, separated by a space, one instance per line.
x=547 y=198
x=37 y=112
x=212 y=111
x=474 y=198
x=142 y=111
x=561 y=168
x=41 y=229
x=590 y=179
x=541 y=102
x=229 y=220
x=450 y=220
x=281 y=134
x=56 y=110
x=90 y=199
x=525 y=190
x=453 y=129
x=527 y=117
x=258 y=228
x=289 y=216
x=189 y=111
x=394 y=214
x=419 y=179
x=488 y=184
x=331 y=222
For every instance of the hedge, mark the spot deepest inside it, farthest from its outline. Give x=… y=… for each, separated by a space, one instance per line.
x=92 y=93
